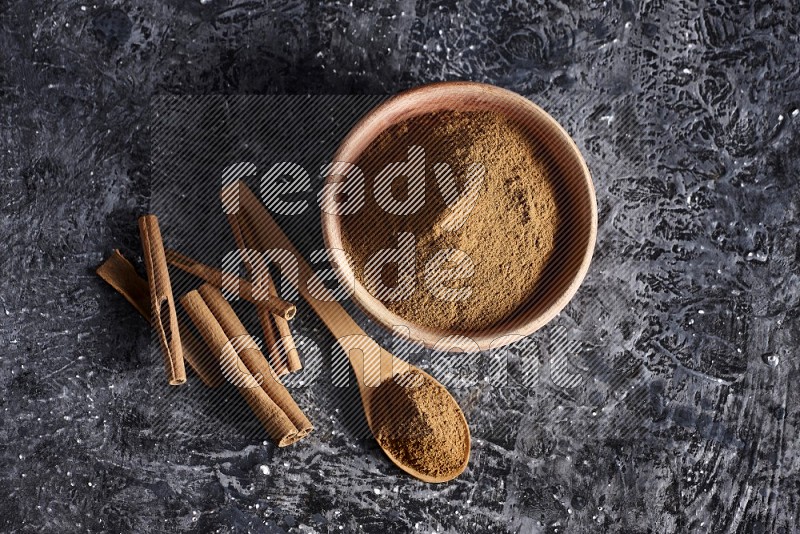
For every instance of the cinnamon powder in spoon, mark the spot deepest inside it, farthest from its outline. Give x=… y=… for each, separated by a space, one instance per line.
x=419 y=424
x=509 y=234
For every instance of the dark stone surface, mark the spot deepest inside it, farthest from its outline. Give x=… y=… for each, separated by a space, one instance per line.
x=677 y=409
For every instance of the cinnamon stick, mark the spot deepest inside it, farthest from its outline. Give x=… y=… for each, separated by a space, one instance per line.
x=292 y=355
x=234 y=329
x=270 y=401
x=277 y=306
x=279 y=364
x=252 y=357
x=122 y=276
x=162 y=305
x=276 y=422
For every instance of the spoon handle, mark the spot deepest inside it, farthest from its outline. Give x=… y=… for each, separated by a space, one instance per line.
x=370 y=362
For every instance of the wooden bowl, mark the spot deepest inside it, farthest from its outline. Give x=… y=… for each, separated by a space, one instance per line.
x=577 y=230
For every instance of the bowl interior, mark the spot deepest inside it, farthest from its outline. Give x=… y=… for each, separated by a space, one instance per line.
x=575 y=198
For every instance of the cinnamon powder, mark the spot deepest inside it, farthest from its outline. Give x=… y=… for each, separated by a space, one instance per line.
x=509 y=234
x=418 y=424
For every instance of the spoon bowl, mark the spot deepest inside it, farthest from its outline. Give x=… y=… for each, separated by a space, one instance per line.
x=373 y=366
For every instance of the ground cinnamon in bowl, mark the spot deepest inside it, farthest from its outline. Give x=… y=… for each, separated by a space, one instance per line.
x=509 y=235
x=419 y=424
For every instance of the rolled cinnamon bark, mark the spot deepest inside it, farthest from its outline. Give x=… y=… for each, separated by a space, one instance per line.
x=234 y=329
x=292 y=355
x=162 y=305
x=275 y=420
x=252 y=357
x=121 y=275
x=276 y=360
x=277 y=306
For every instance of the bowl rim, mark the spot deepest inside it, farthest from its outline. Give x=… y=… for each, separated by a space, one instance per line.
x=499 y=334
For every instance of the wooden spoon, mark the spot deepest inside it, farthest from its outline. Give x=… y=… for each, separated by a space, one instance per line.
x=370 y=362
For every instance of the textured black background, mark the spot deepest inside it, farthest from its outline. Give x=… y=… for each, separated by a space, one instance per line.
x=685 y=414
